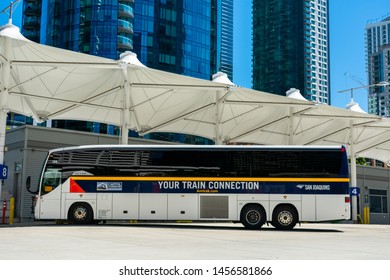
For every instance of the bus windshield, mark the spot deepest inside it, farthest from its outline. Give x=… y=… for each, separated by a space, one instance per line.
x=51 y=180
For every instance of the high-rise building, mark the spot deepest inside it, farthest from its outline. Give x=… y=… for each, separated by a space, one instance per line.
x=102 y=28
x=291 y=47
x=98 y=27
x=378 y=66
x=226 y=57
x=188 y=37
x=183 y=36
x=31 y=27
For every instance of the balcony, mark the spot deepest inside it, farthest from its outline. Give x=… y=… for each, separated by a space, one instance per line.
x=125 y=11
x=32 y=9
x=124 y=43
x=31 y=22
x=125 y=26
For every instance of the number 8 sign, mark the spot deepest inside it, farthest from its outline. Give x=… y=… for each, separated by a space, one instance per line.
x=3 y=172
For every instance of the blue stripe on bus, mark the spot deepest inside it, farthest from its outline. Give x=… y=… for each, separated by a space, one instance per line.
x=228 y=187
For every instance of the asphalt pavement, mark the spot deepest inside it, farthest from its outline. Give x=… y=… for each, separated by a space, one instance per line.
x=193 y=241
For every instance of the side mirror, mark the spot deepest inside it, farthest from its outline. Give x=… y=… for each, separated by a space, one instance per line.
x=28 y=182
x=28 y=186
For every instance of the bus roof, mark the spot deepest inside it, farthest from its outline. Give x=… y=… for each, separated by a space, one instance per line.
x=197 y=147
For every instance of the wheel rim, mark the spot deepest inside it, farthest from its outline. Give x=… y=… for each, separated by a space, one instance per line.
x=80 y=213
x=285 y=218
x=253 y=217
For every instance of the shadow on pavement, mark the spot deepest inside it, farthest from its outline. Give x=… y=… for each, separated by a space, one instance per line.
x=194 y=226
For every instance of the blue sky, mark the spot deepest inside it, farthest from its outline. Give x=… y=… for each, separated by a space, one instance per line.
x=348 y=19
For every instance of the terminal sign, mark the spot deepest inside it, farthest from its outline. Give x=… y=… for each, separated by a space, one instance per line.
x=354 y=191
x=4 y=172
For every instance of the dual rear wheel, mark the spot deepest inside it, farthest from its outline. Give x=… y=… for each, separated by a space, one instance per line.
x=284 y=217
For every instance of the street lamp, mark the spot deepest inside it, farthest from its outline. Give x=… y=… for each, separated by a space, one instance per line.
x=380 y=84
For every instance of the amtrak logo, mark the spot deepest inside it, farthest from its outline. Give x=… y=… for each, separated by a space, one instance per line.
x=109 y=186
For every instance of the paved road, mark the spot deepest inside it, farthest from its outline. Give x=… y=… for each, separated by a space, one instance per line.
x=219 y=241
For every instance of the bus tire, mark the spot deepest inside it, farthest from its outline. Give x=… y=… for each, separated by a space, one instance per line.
x=285 y=217
x=253 y=217
x=80 y=213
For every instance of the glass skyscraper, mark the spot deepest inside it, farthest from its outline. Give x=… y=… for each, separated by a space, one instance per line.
x=188 y=37
x=226 y=49
x=180 y=36
x=98 y=27
x=378 y=66
x=291 y=47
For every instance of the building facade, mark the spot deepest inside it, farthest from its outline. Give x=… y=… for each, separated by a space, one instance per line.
x=291 y=47
x=378 y=66
x=185 y=36
x=188 y=37
x=226 y=30
x=101 y=28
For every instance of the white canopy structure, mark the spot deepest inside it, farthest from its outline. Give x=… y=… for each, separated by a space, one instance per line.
x=51 y=83
x=354 y=106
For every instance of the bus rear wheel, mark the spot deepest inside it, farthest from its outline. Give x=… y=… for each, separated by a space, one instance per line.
x=80 y=213
x=253 y=217
x=285 y=217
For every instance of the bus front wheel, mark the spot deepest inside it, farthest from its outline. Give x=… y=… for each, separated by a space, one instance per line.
x=253 y=217
x=80 y=213
x=285 y=217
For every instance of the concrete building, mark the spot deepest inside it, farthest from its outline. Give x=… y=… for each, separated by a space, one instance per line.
x=291 y=47
x=27 y=148
x=374 y=183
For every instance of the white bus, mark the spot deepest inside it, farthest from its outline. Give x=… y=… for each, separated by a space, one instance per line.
x=254 y=185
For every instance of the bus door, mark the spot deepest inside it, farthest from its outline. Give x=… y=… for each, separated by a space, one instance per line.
x=49 y=199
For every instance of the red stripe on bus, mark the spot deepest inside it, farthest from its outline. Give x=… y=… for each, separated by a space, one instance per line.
x=74 y=187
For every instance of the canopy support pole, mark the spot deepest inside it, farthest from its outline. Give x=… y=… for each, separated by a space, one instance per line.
x=4 y=91
x=291 y=127
x=217 y=137
x=353 y=171
x=126 y=109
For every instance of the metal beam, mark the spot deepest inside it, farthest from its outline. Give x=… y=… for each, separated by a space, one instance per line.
x=109 y=65
x=176 y=119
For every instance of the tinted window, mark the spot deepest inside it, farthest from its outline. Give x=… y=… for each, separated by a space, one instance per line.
x=296 y=163
x=187 y=163
x=80 y=163
x=198 y=163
